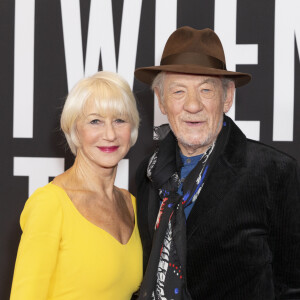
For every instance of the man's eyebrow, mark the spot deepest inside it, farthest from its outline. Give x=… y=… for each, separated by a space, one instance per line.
x=176 y=83
x=181 y=84
x=209 y=80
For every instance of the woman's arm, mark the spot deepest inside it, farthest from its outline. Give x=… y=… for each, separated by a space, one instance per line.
x=41 y=225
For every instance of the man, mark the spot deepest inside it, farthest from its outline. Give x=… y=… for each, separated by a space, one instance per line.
x=219 y=214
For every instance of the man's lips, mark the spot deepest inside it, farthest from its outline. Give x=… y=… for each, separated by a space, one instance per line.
x=194 y=123
x=108 y=149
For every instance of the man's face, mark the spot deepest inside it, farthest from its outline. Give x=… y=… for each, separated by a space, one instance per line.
x=194 y=105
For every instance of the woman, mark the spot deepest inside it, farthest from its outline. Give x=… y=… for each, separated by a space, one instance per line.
x=80 y=238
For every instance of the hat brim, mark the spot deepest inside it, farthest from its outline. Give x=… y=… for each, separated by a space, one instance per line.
x=147 y=74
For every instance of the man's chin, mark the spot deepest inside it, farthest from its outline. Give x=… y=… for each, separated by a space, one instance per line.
x=195 y=143
x=192 y=144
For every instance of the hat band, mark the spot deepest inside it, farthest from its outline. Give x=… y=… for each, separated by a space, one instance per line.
x=192 y=58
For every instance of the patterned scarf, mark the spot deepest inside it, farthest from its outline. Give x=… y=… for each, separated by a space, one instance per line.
x=165 y=276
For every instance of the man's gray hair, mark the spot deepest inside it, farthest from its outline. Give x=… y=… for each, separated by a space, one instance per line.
x=225 y=85
x=158 y=83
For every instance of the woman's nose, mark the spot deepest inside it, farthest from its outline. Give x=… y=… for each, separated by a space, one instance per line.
x=109 y=132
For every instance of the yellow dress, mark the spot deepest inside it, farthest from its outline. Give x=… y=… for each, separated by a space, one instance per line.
x=63 y=256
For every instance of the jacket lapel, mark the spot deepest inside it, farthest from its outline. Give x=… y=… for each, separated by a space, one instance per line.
x=153 y=208
x=223 y=176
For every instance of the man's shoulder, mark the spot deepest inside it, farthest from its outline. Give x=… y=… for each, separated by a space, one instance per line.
x=266 y=154
x=241 y=146
x=268 y=149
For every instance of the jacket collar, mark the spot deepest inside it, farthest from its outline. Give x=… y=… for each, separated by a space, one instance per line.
x=222 y=177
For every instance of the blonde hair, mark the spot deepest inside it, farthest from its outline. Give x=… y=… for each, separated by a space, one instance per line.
x=109 y=93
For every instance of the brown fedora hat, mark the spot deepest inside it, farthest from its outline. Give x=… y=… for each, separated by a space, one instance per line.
x=193 y=51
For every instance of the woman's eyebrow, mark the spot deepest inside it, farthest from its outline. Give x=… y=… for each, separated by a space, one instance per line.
x=94 y=114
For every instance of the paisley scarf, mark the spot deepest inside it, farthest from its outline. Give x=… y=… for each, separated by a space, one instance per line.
x=165 y=276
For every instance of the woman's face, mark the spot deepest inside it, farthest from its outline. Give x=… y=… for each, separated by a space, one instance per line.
x=104 y=140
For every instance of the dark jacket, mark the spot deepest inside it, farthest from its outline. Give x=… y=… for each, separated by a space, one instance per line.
x=243 y=233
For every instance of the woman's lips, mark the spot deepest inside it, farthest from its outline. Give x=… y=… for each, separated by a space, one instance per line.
x=108 y=149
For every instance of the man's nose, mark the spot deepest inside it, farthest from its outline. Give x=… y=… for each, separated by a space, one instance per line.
x=193 y=102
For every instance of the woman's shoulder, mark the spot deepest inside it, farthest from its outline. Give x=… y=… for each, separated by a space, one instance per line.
x=50 y=193
x=45 y=199
x=44 y=203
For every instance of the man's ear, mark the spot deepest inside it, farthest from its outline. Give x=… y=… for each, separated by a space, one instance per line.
x=160 y=101
x=229 y=97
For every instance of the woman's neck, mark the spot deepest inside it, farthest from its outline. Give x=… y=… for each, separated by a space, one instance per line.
x=91 y=177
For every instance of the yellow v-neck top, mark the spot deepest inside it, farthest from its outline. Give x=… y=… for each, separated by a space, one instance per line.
x=63 y=256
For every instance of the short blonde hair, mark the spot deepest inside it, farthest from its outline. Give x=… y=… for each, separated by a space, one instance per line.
x=109 y=93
